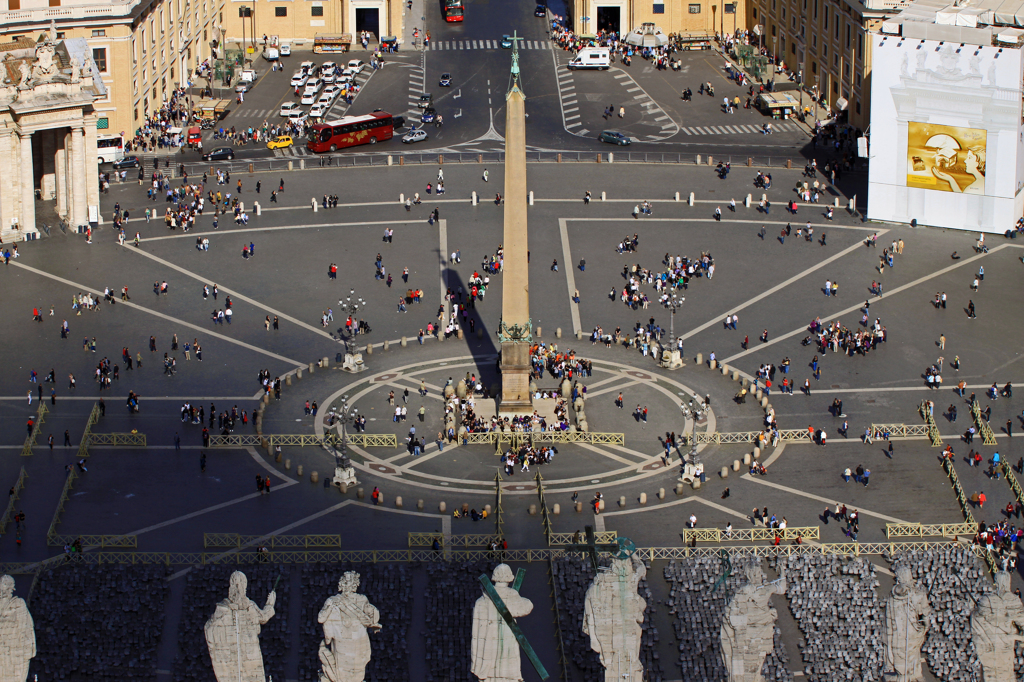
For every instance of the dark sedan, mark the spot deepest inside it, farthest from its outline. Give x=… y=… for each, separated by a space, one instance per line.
x=540 y=11
x=127 y=162
x=220 y=154
x=613 y=137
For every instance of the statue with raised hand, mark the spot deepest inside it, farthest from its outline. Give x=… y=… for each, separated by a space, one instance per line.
x=996 y=626
x=495 y=650
x=17 y=634
x=613 y=616
x=233 y=634
x=907 y=613
x=748 y=629
x=345 y=649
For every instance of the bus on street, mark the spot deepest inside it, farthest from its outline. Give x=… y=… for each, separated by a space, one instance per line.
x=453 y=10
x=350 y=131
x=110 y=148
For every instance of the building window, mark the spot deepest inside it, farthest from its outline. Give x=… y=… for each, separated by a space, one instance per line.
x=755 y=13
x=783 y=13
x=135 y=114
x=857 y=78
x=99 y=33
x=172 y=73
x=847 y=36
x=659 y=8
x=860 y=46
x=99 y=57
x=814 y=67
x=825 y=20
x=280 y=11
x=13 y=5
x=54 y=3
x=103 y=123
x=319 y=11
x=774 y=30
x=694 y=8
x=858 y=107
x=729 y=8
x=245 y=12
x=835 y=87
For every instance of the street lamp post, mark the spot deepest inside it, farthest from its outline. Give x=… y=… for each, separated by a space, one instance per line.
x=673 y=358
x=690 y=467
x=344 y=472
x=350 y=305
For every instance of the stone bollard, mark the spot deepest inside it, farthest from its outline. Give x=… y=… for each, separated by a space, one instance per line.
x=600 y=505
x=611 y=157
x=757 y=453
x=746 y=201
x=759 y=395
x=291 y=166
x=316 y=206
x=360 y=493
x=442 y=507
x=725 y=472
x=764 y=401
x=622 y=501
x=696 y=484
x=343 y=487
x=312 y=367
x=314 y=477
x=579 y=507
x=539 y=333
x=529 y=198
x=369 y=349
x=380 y=498
x=487 y=508
x=326 y=362
x=851 y=206
x=557 y=509
x=735 y=465
x=698 y=159
x=711 y=160
x=579 y=335
x=700 y=358
x=288 y=380
x=735 y=375
x=750 y=162
x=604 y=196
x=558 y=333
x=401 y=198
x=475 y=200
x=677 y=196
x=747 y=459
x=259 y=209
x=266 y=398
x=459 y=334
x=679 y=488
x=480 y=333
x=298 y=470
x=661 y=493
x=837 y=202
x=725 y=370
x=419 y=504
x=533 y=510
x=390 y=160
x=643 y=498
x=690 y=200
x=712 y=363
x=386 y=345
x=298 y=373
x=398 y=502
x=404 y=342
x=287 y=465
x=278 y=457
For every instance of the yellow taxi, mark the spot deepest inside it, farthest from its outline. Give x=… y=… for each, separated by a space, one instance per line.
x=280 y=142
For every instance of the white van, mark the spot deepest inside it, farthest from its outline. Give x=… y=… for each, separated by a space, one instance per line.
x=591 y=58
x=271 y=54
x=248 y=76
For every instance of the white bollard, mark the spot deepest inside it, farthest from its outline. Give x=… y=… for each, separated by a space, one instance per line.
x=611 y=157
x=401 y=198
x=389 y=159
x=852 y=206
x=259 y=209
x=604 y=196
x=302 y=164
x=746 y=202
x=530 y=198
x=677 y=196
x=837 y=202
x=316 y=206
x=475 y=200
x=691 y=199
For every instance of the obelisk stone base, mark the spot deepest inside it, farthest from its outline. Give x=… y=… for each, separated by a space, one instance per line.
x=515 y=380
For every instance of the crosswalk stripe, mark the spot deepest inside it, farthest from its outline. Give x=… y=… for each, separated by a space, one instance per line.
x=583 y=131
x=569 y=103
x=569 y=111
x=570 y=118
x=573 y=125
x=687 y=131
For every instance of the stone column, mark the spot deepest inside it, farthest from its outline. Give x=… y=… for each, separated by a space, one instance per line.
x=79 y=211
x=92 y=168
x=27 y=215
x=61 y=171
x=515 y=297
x=48 y=140
x=9 y=187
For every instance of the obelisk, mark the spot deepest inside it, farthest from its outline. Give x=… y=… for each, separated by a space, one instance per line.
x=515 y=331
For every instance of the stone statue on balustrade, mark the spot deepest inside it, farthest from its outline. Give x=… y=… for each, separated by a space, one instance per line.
x=345 y=649
x=996 y=625
x=233 y=634
x=613 y=616
x=907 y=614
x=495 y=650
x=17 y=634
x=748 y=629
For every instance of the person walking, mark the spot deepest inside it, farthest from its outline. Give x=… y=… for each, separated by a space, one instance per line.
x=942 y=342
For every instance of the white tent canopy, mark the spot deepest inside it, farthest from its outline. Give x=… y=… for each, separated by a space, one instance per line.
x=647 y=35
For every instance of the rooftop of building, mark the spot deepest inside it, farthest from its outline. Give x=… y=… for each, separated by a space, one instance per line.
x=974 y=22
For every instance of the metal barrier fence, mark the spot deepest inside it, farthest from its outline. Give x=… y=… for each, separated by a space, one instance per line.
x=604 y=537
x=889 y=431
x=83 y=445
x=118 y=440
x=933 y=430
x=12 y=498
x=470 y=540
x=717 y=437
x=750 y=534
x=499 y=521
x=510 y=555
x=59 y=511
x=516 y=438
x=366 y=440
x=234 y=540
x=103 y=541
x=987 y=437
x=1010 y=478
x=545 y=518
x=965 y=507
x=279 y=164
x=919 y=530
x=30 y=440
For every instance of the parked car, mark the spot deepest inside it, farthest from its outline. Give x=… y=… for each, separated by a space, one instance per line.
x=318 y=110
x=356 y=65
x=331 y=90
x=308 y=68
x=297 y=117
x=326 y=100
x=299 y=79
x=614 y=137
x=287 y=108
x=446 y=80
x=286 y=50
x=506 y=41
x=127 y=162
x=309 y=97
x=540 y=11
x=428 y=116
x=414 y=136
x=425 y=100
x=219 y=154
x=280 y=142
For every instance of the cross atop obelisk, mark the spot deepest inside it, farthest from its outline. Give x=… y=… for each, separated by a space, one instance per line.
x=516 y=330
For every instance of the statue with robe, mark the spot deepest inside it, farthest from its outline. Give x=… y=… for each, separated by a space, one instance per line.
x=748 y=629
x=233 y=634
x=495 y=650
x=996 y=626
x=17 y=634
x=907 y=613
x=345 y=649
x=613 y=616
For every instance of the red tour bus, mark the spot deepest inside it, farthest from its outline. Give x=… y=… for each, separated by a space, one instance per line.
x=453 y=10
x=350 y=131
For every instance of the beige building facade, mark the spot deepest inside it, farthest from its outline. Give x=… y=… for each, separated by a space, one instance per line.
x=688 y=17
x=826 y=42
x=48 y=128
x=143 y=49
x=298 y=22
